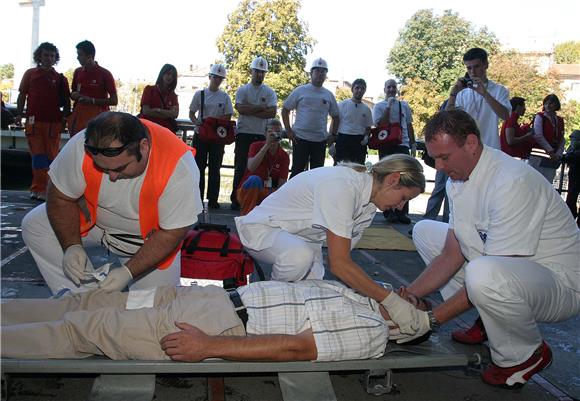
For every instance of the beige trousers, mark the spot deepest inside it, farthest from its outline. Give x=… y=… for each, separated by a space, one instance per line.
x=97 y=323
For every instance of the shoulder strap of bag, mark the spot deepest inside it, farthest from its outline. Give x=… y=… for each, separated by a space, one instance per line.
x=400 y=113
x=202 y=101
x=160 y=96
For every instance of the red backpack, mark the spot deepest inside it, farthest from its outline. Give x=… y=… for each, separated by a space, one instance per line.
x=211 y=252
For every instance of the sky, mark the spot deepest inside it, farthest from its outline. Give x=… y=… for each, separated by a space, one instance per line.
x=134 y=39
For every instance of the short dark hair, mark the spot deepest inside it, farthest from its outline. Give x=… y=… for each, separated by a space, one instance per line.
x=359 y=81
x=455 y=123
x=86 y=47
x=475 y=53
x=46 y=46
x=517 y=101
x=110 y=125
x=164 y=70
x=552 y=98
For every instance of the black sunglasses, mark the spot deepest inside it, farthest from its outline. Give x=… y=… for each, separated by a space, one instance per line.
x=107 y=152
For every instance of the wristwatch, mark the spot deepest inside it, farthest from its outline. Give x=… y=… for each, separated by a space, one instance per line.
x=434 y=324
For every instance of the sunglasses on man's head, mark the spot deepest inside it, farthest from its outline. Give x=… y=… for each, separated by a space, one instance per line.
x=107 y=152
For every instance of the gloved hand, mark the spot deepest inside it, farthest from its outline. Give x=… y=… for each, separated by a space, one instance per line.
x=395 y=332
x=75 y=263
x=365 y=141
x=117 y=279
x=414 y=150
x=410 y=320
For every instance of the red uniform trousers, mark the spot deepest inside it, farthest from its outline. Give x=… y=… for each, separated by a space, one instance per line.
x=43 y=143
x=81 y=115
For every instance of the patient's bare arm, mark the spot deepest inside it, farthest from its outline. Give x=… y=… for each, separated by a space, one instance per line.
x=192 y=345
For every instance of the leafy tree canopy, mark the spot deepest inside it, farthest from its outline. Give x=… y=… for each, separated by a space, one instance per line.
x=270 y=29
x=511 y=70
x=567 y=52
x=7 y=71
x=343 y=93
x=431 y=48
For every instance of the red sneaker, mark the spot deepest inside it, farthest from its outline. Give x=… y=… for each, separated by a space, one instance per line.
x=473 y=335
x=517 y=376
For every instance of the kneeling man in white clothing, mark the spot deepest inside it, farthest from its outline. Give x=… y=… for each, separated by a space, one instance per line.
x=511 y=249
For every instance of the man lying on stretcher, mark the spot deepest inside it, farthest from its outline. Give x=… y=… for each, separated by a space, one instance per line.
x=309 y=320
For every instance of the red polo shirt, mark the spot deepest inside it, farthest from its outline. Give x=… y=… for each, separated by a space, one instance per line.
x=42 y=93
x=521 y=150
x=276 y=165
x=153 y=98
x=94 y=81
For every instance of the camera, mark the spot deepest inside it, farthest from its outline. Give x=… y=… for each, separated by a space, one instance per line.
x=467 y=81
x=276 y=136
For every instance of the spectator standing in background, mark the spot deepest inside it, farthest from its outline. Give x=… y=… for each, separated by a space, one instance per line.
x=355 y=125
x=46 y=95
x=549 y=136
x=388 y=111
x=516 y=140
x=93 y=89
x=484 y=100
x=256 y=102
x=313 y=105
x=159 y=102
x=214 y=103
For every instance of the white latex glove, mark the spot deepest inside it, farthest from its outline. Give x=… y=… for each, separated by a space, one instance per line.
x=365 y=141
x=75 y=262
x=409 y=319
x=117 y=279
x=395 y=332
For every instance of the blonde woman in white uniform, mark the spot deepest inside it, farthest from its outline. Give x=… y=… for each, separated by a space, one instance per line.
x=334 y=205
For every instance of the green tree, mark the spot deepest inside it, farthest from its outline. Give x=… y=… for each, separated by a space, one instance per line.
x=271 y=29
x=7 y=71
x=431 y=48
x=343 y=93
x=567 y=52
x=511 y=70
x=424 y=98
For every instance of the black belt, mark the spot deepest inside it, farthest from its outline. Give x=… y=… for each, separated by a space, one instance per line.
x=238 y=305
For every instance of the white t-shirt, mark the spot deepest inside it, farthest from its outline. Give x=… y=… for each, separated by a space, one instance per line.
x=507 y=208
x=215 y=104
x=354 y=117
x=260 y=95
x=118 y=204
x=476 y=106
x=334 y=198
x=404 y=110
x=313 y=105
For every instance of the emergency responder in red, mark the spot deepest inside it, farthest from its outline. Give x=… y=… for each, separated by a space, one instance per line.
x=46 y=95
x=267 y=170
x=93 y=89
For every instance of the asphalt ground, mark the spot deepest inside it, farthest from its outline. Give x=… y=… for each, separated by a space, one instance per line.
x=561 y=381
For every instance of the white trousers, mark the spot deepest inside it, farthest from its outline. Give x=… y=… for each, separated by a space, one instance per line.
x=292 y=258
x=511 y=295
x=548 y=172
x=42 y=243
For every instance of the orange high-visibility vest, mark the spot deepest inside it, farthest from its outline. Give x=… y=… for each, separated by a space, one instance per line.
x=165 y=152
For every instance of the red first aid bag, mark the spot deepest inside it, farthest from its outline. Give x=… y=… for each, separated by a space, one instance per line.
x=386 y=136
x=214 y=130
x=211 y=252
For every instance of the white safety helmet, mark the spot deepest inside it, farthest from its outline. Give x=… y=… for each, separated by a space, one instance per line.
x=319 y=63
x=217 y=69
x=259 y=63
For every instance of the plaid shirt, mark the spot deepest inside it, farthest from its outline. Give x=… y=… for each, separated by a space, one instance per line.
x=345 y=324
